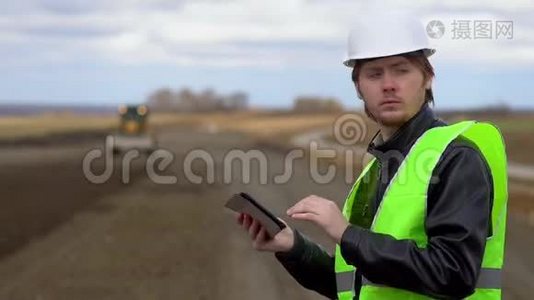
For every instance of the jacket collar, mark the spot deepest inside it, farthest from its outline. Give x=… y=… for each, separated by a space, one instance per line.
x=406 y=135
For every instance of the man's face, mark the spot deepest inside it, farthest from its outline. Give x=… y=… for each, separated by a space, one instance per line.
x=392 y=88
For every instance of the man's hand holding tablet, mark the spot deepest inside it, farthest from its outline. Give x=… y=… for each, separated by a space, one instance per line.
x=267 y=232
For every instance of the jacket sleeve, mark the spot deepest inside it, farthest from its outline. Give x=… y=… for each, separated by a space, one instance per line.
x=310 y=265
x=457 y=224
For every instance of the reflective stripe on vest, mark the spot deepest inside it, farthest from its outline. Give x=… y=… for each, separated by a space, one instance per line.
x=410 y=183
x=345 y=281
x=487 y=279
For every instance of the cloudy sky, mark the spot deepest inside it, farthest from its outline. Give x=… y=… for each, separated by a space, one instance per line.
x=110 y=52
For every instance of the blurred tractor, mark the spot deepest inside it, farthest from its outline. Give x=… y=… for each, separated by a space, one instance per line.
x=132 y=132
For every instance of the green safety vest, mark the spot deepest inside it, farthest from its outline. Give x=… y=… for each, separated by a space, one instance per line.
x=402 y=210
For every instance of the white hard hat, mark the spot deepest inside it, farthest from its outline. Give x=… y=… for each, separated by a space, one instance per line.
x=382 y=35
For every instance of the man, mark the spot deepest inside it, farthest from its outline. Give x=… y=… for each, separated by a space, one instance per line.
x=426 y=217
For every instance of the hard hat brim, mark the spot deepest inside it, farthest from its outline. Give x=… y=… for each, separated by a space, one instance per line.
x=351 y=62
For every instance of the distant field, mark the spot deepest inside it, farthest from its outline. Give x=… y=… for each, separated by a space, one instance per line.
x=520 y=125
x=46 y=124
x=518 y=130
x=255 y=123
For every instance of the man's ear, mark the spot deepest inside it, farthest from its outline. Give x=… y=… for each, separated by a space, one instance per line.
x=428 y=84
x=358 y=92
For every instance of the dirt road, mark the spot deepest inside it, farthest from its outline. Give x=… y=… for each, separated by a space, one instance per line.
x=62 y=237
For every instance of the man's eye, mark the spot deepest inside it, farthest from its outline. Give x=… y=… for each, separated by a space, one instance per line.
x=374 y=75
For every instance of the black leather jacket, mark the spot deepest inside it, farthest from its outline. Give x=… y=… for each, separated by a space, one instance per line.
x=457 y=224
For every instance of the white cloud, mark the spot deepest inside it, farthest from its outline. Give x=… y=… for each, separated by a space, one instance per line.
x=273 y=33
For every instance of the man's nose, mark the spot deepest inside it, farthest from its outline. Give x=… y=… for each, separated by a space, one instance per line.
x=388 y=83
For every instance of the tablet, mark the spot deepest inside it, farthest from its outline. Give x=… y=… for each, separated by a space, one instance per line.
x=244 y=203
